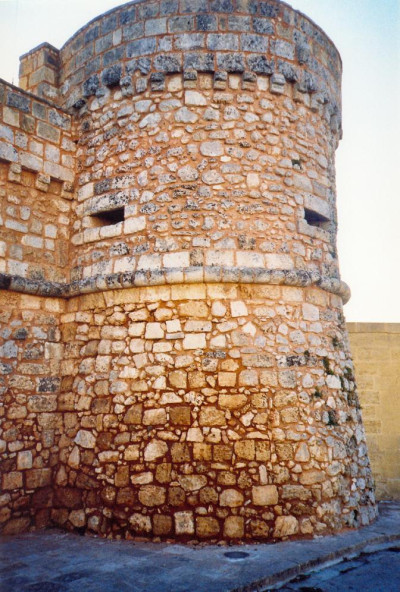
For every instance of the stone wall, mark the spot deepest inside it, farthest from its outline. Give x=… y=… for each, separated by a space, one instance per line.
x=376 y=353
x=36 y=189
x=183 y=421
x=30 y=418
x=168 y=412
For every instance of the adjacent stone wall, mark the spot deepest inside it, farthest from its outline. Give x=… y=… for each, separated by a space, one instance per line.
x=376 y=352
x=36 y=188
x=30 y=419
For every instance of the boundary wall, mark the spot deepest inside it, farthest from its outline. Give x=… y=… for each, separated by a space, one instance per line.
x=376 y=354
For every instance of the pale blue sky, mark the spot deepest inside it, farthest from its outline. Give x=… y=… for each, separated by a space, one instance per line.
x=367 y=34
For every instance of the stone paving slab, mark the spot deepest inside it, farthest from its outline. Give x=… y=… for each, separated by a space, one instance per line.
x=55 y=561
x=377 y=571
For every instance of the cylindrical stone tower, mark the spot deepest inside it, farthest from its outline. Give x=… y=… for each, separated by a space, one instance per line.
x=207 y=384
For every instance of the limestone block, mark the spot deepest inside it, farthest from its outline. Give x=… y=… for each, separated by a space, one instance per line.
x=77 y=518
x=265 y=495
x=192 y=482
x=195 y=310
x=36 y=478
x=194 y=341
x=232 y=401
x=12 y=480
x=202 y=451
x=310 y=312
x=85 y=439
x=211 y=416
x=152 y=495
x=302 y=453
x=238 y=308
x=311 y=477
x=188 y=173
x=274 y=261
x=180 y=259
x=198 y=326
x=24 y=460
x=194 y=435
x=231 y=498
x=155 y=449
x=245 y=449
x=154 y=417
x=134 y=414
x=74 y=458
x=248 y=378
x=132 y=452
x=188 y=292
x=16 y=526
x=184 y=523
x=286 y=526
x=224 y=258
x=333 y=382
x=178 y=379
x=180 y=415
x=162 y=524
x=250 y=259
x=41 y=403
x=154 y=331
x=142 y=478
x=234 y=527
x=207 y=527
x=134 y=224
x=139 y=523
x=195 y=98
x=296 y=492
x=212 y=148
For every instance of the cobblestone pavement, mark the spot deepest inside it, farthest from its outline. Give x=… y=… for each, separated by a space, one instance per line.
x=375 y=571
x=55 y=561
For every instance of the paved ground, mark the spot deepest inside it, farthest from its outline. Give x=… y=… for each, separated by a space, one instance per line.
x=375 y=571
x=54 y=561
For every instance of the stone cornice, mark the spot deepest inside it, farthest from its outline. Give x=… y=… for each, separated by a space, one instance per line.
x=188 y=275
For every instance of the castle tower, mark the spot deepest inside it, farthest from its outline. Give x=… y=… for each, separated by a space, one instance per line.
x=204 y=387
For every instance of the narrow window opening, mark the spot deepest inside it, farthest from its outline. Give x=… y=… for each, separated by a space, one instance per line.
x=110 y=217
x=315 y=219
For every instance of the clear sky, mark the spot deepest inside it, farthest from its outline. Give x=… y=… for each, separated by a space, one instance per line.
x=367 y=34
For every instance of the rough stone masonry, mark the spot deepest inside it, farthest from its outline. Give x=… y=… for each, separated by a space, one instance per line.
x=174 y=358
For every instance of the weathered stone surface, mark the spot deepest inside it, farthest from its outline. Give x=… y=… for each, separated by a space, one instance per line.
x=286 y=526
x=210 y=416
x=154 y=450
x=85 y=439
x=140 y=524
x=265 y=495
x=207 y=527
x=184 y=523
x=231 y=498
x=38 y=478
x=152 y=495
x=234 y=527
